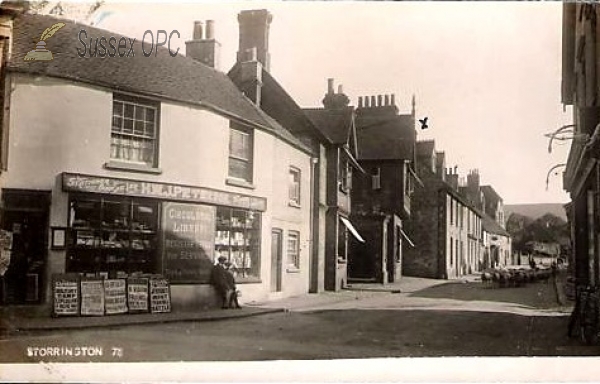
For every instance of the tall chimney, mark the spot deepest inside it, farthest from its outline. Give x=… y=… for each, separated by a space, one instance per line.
x=334 y=100
x=204 y=49
x=254 y=32
x=251 y=75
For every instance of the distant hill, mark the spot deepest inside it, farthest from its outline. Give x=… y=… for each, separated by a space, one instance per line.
x=536 y=211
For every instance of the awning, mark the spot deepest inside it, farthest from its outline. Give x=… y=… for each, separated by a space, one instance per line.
x=352 y=230
x=407 y=238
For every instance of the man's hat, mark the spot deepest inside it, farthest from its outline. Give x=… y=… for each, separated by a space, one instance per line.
x=222 y=259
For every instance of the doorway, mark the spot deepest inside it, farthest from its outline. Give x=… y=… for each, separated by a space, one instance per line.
x=276 y=259
x=25 y=216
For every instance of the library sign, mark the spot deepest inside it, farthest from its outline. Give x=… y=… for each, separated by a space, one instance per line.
x=109 y=185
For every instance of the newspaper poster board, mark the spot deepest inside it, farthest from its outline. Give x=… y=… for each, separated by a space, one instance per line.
x=115 y=296
x=92 y=297
x=160 y=295
x=137 y=294
x=65 y=295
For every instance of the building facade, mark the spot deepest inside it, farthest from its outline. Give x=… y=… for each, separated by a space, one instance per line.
x=154 y=165
x=381 y=197
x=446 y=229
x=580 y=89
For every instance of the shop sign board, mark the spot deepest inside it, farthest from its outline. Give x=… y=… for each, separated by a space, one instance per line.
x=109 y=185
x=115 y=296
x=65 y=295
x=160 y=296
x=188 y=242
x=92 y=297
x=137 y=294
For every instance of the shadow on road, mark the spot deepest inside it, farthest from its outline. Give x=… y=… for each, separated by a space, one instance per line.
x=540 y=295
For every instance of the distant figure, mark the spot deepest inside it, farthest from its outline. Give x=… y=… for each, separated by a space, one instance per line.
x=221 y=280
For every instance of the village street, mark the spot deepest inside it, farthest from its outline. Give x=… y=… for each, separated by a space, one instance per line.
x=438 y=318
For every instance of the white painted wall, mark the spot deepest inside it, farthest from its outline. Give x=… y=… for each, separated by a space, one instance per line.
x=61 y=126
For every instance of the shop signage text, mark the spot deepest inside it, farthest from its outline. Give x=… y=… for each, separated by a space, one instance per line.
x=109 y=185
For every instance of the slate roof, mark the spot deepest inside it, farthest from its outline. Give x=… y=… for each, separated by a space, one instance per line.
x=490 y=193
x=425 y=148
x=490 y=225
x=333 y=124
x=385 y=138
x=162 y=76
x=276 y=102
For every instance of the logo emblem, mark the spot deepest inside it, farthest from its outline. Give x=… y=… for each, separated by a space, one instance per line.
x=40 y=53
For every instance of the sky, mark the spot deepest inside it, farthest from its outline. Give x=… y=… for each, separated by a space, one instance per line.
x=486 y=74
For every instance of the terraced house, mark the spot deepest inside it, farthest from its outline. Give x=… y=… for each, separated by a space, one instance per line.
x=154 y=164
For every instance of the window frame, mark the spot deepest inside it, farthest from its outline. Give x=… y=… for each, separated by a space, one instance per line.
x=154 y=139
x=376 y=179
x=345 y=176
x=249 y=161
x=293 y=255
x=294 y=187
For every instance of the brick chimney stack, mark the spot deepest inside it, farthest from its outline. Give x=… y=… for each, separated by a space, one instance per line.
x=379 y=104
x=254 y=33
x=334 y=100
x=204 y=47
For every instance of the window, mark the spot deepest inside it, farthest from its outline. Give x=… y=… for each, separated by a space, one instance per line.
x=345 y=180
x=342 y=241
x=294 y=192
x=376 y=178
x=240 y=154
x=293 y=250
x=451 y=250
x=238 y=240
x=134 y=131
x=451 y=211
x=112 y=235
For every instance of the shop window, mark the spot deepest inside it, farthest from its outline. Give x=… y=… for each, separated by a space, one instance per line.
x=238 y=240
x=293 y=250
x=294 y=187
x=342 y=242
x=112 y=236
x=134 y=131
x=240 y=154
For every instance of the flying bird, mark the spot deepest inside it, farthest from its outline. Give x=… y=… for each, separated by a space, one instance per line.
x=423 y=122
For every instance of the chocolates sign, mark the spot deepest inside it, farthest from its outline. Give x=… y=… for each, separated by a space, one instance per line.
x=109 y=185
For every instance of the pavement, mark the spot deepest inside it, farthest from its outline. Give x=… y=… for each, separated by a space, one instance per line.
x=14 y=320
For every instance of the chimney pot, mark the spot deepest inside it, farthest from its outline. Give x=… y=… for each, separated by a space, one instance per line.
x=379 y=101
x=360 y=102
x=366 y=101
x=210 y=29
x=373 y=101
x=198 y=30
x=387 y=100
x=393 y=99
x=340 y=89
x=329 y=86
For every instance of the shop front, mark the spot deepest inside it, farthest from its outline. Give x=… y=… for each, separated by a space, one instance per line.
x=121 y=228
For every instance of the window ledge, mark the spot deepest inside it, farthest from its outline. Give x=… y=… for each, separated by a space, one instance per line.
x=239 y=183
x=123 y=166
x=294 y=204
x=248 y=280
x=293 y=270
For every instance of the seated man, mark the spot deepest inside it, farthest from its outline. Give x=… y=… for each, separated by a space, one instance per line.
x=233 y=299
x=219 y=278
